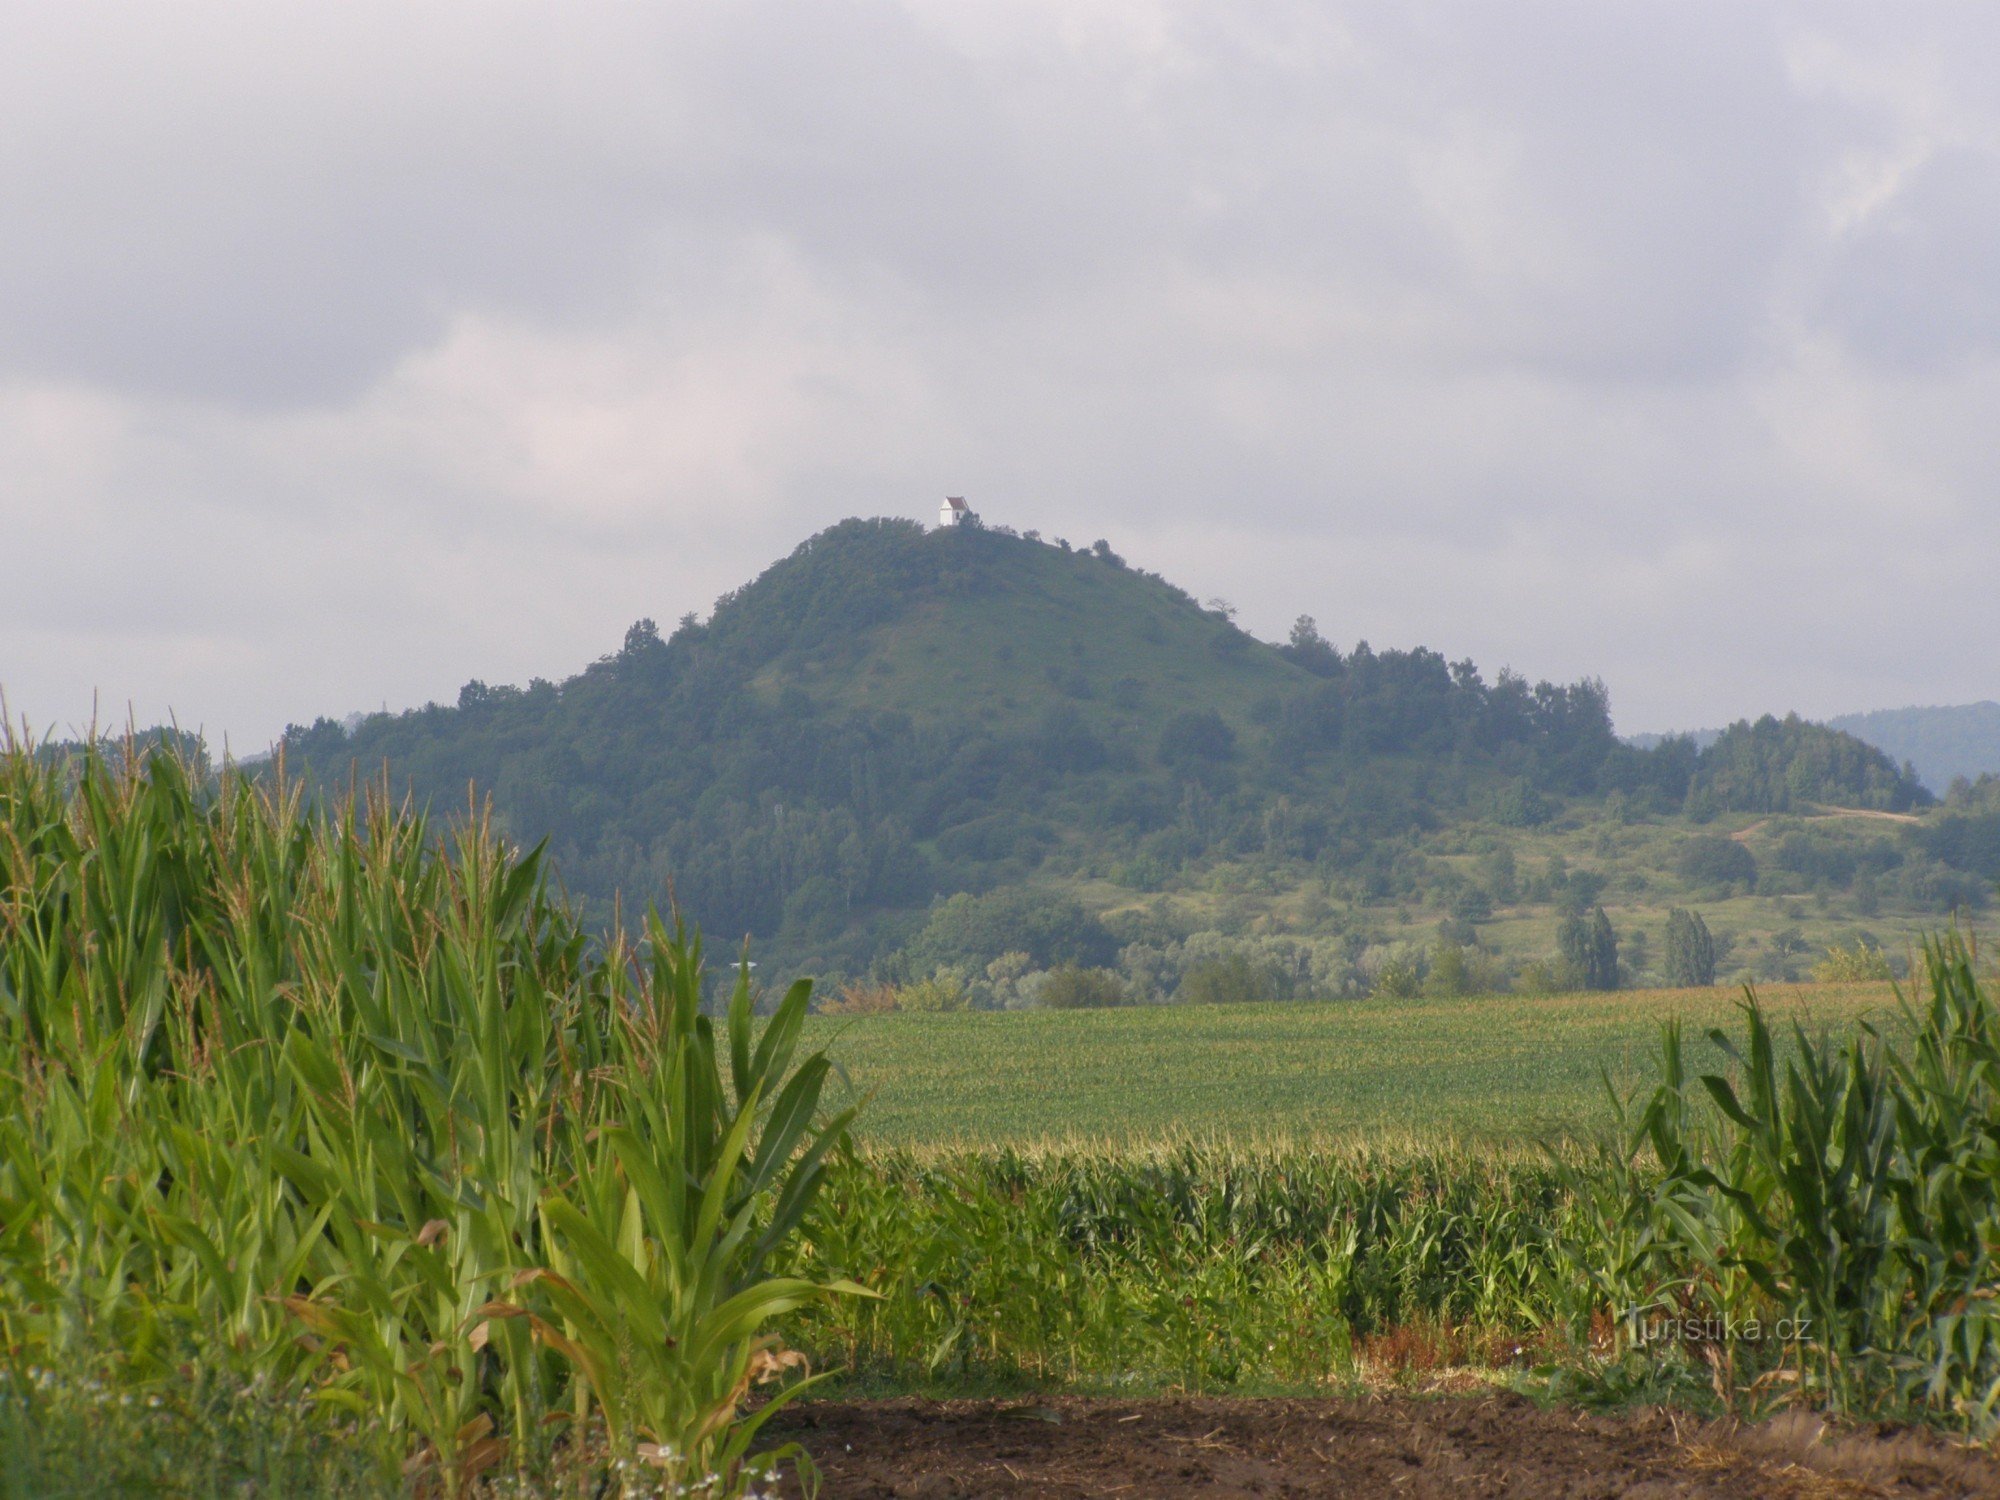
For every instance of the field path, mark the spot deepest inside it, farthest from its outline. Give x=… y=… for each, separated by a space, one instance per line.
x=1492 y=1444
x=1827 y=810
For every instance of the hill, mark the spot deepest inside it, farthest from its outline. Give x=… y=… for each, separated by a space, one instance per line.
x=1943 y=744
x=891 y=716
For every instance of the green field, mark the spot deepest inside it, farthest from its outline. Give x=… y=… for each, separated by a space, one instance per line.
x=1501 y=1069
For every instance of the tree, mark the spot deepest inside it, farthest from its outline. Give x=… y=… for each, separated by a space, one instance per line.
x=1690 y=956
x=1312 y=650
x=1590 y=947
x=1450 y=974
x=972 y=931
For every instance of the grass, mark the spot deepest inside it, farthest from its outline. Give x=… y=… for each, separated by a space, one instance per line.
x=1494 y=1069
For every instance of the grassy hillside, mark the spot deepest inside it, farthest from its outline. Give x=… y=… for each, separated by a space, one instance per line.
x=1485 y=1069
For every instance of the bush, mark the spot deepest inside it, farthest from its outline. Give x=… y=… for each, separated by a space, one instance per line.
x=1711 y=860
x=945 y=990
x=1399 y=972
x=862 y=998
x=1225 y=980
x=1070 y=987
x=1853 y=964
x=971 y=931
x=1519 y=805
x=1192 y=743
x=1548 y=976
x=1450 y=973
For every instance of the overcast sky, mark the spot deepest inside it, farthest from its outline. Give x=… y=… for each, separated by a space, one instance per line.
x=349 y=351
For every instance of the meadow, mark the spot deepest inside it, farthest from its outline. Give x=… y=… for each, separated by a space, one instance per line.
x=1490 y=1069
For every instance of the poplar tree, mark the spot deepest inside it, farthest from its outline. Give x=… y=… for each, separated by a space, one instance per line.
x=1590 y=947
x=1690 y=949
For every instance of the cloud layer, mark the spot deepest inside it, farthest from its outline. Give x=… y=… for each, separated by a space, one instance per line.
x=348 y=352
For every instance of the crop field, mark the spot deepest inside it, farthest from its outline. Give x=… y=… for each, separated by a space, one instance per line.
x=1503 y=1069
x=339 y=1157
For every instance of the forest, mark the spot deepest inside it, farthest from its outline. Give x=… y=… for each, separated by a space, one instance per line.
x=889 y=716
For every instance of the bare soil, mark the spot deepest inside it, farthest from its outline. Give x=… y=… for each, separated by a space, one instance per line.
x=1486 y=1445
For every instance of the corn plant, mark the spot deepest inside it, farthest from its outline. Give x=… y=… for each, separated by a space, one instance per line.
x=323 y=1097
x=1851 y=1190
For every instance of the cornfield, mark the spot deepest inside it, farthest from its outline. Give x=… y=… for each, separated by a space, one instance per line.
x=325 y=1126
x=327 y=1103
x=1845 y=1190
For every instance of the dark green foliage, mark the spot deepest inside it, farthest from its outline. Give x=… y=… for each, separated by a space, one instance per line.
x=1310 y=649
x=1590 y=947
x=1690 y=949
x=1712 y=861
x=1817 y=861
x=1072 y=987
x=890 y=713
x=1775 y=765
x=1193 y=743
x=1931 y=885
x=1519 y=805
x=1964 y=840
x=1472 y=905
x=971 y=931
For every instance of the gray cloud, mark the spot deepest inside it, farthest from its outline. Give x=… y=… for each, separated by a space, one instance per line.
x=347 y=352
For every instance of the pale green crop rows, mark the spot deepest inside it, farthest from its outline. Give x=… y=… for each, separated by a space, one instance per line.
x=1502 y=1069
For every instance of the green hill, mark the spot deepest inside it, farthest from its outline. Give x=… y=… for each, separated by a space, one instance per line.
x=891 y=716
x=1943 y=744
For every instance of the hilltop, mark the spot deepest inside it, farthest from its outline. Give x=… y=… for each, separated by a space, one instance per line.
x=892 y=716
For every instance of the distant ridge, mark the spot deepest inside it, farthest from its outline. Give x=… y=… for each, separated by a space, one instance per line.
x=1941 y=742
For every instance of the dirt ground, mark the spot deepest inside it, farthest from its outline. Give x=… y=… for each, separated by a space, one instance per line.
x=1491 y=1444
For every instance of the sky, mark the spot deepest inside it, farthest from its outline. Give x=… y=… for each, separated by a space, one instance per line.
x=352 y=351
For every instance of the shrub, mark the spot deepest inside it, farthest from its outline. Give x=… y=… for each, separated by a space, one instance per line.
x=1194 y=742
x=945 y=990
x=1230 y=978
x=1548 y=976
x=863 y=997
x=1709 y=859
x=1399 y=972
x=1852 y=964
x=1069 y=987
x=1519 y=805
